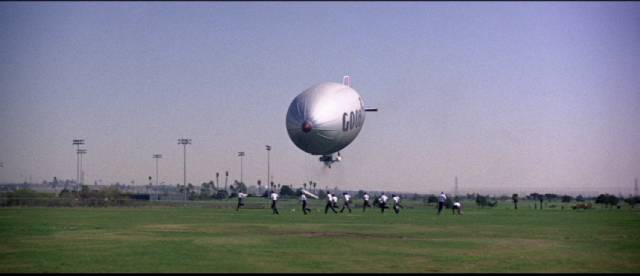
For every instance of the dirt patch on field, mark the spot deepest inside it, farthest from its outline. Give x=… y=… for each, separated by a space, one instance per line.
x=169 y=227
x=354 y=235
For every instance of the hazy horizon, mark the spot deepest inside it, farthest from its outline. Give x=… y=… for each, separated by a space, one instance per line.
x=517 y=97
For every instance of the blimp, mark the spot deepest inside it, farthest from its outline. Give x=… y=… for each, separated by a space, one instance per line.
x=326 y=118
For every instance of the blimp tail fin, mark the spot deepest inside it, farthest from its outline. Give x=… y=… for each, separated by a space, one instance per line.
x=346 y=80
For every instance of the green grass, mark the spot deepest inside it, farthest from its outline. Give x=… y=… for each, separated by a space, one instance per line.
x=213 y=237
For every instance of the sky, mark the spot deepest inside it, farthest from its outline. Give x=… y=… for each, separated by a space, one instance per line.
x=509 y=97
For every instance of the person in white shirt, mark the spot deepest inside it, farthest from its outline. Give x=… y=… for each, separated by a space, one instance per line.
x=457 y=206
x=441 y=201
x=274 y=199
x=329 y=204
x=334 y=201
x=303 y=199
x=347 y=201
x=396 y=203
x=365 y=204
x=382 y=200
x=241 y=197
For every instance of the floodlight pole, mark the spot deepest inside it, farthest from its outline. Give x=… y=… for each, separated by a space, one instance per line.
x=78 y=142
x=156 y=157
x=184 y=142
x=241 y=154
x=81 y=172
x=268 y=168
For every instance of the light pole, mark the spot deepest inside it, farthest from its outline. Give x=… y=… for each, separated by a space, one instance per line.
x=78 y=142
x=156 y=157
x=185 y=142
x=268 y=168
x=80 y=153
x=241 y=154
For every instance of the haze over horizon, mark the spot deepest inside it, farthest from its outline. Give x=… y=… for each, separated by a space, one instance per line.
x=508 y=97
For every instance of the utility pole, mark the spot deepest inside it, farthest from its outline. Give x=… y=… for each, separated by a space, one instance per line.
x=635 y=188
x=241 y=154
x=184 y=142
x=80 y=153
x=226 y=177
x=78 y=142
x=455 y=190
x=268 y=167
x=156 y=157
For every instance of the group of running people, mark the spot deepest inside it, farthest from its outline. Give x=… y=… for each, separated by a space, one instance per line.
x=332 y=203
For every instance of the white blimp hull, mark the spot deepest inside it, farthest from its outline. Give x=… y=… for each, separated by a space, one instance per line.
x=325 y=118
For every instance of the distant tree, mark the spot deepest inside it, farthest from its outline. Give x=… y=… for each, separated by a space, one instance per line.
x=579 y=198
x=607 y=200
x=566 y=198
x=613 y=200
x=285 y=190
x=322 y=194
x=217 y=180
x=602 y=199
x=632 y=200
x=205 y=190
x=221 y=194
x=238 y=187
x=226 y=178
x=432 y=199
x=484 y=201
x=481 y=201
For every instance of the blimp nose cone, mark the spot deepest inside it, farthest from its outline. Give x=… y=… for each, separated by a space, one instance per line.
x=306 y=126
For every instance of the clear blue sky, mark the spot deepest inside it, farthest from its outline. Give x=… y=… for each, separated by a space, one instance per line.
x=508 y=97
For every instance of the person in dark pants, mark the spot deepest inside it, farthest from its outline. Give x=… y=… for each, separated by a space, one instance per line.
x=365 y=204
x=303 y=199
x=441 y=201
x=541 y=198
x=345 y=204
x=382 y=202
x=396 y=203
x=334 y=201
x=457 y=206
x=329 y=204
x=274 y=200
x=241 y=197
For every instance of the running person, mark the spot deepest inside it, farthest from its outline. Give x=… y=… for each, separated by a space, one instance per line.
x=347 y=200
x=382 y=200
x=274 y=200
x=241 y=197
x=457 y=206
x=334 y=201
x=365 y=204
x=303 y=199
x=329 y=204
x=441 y=201
x=396 y=203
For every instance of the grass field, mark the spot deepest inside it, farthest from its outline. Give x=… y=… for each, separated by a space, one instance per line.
x=213 y=237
